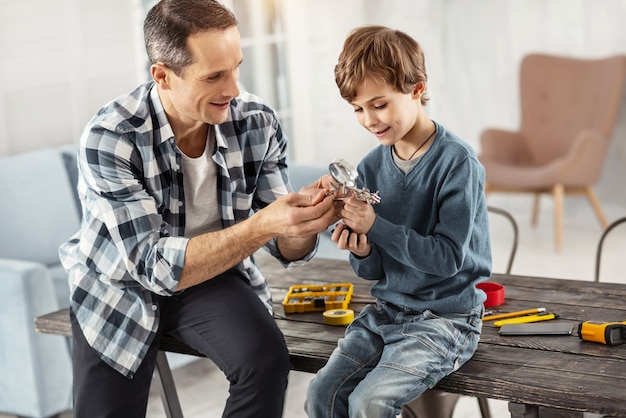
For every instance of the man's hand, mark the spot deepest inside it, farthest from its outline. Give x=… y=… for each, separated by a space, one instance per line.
x=326 y=183
x=299 y=214
x=297 y=218
x=323 y=183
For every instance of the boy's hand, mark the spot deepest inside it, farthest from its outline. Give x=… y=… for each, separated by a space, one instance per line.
x=346 y=239
x=358 y=218
x=357 y=214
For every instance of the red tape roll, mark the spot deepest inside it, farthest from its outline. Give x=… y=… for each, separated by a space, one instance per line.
x=494 y=291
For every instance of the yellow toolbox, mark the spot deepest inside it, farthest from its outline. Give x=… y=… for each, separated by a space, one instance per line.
x=310 y=298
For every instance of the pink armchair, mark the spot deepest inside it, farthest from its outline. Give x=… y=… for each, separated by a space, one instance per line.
x=569 y=107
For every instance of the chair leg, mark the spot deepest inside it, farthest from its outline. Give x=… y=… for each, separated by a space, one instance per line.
x=595 y=204
x=558 y=191
x=484 y=407
x=169 y=397
x=535 y=214
x=431 y=404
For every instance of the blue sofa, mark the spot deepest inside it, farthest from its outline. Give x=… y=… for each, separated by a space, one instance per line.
x=38 y=212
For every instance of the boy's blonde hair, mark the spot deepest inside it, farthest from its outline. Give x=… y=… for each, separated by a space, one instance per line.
x=381 y=53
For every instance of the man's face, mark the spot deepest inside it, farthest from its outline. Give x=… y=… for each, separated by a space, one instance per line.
x=203 y=91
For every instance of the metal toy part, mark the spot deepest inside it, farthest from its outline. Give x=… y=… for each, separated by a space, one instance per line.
x=346 y=175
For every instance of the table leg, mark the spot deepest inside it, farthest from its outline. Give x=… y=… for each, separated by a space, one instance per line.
x=518 y=410
x=167 y=388
x=545 y=412
x=531 y=411
x=483 y=404
x=432 y=404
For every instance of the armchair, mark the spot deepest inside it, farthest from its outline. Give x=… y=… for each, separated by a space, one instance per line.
x=569 y=107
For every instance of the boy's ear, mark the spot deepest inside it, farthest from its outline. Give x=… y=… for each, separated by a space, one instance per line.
x=419 y=90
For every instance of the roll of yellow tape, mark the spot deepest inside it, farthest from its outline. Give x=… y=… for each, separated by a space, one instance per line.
x=338 y=316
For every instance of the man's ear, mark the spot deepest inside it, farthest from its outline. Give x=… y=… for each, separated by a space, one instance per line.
x=160 y=74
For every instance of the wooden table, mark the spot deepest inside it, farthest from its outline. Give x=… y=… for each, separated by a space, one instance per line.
x=540 y=376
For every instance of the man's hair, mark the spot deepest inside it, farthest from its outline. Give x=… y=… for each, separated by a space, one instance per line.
x=170 y=22
x=380 y=53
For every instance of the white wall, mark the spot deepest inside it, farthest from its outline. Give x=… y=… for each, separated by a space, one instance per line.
x=61 y=60
x=472 y=48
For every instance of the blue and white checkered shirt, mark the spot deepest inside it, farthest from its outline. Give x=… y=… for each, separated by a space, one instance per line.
x=131 y=245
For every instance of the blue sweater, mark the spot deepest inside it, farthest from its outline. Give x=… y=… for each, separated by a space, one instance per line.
x=430 y=240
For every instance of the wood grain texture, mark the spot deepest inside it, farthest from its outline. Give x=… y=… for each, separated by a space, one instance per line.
x=561 y=372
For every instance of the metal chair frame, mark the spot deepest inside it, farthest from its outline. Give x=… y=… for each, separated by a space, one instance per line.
x=515 y=228
x=601 y=244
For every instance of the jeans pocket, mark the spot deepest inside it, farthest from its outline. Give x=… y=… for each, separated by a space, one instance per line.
x=434 y=332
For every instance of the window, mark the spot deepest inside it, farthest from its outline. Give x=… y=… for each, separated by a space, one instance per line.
x=264 y=44
x=263 y=40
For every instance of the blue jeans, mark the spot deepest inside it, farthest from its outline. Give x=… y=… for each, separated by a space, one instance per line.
x=387 y=358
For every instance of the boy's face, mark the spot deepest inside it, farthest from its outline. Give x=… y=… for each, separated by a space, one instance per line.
x=386 y=112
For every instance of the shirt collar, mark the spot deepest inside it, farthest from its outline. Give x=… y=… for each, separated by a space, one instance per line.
x=165 y=129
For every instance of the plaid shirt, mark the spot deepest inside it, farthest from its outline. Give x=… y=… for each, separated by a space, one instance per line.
x=131 y=245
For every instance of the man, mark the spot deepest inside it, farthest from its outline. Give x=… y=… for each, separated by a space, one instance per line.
x=168 y=176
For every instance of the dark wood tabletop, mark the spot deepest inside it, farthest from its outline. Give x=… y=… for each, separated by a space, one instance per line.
x=560 y=372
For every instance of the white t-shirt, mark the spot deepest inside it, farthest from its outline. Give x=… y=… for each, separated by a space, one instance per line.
x=200 y=185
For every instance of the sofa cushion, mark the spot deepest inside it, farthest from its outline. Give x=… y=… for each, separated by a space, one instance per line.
x=70 y=158
x=301 y=175
x=60 y=284
x=36 y=369
x=38 y=210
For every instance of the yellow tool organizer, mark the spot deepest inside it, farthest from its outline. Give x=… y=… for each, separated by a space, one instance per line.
x=310 y=298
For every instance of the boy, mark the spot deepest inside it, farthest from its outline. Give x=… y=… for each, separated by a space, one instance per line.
x=425 y=246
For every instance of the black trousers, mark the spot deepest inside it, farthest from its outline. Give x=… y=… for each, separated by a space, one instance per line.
x=221 y=318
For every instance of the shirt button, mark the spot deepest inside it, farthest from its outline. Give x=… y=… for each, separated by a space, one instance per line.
x=154 y=307
x=180 y=203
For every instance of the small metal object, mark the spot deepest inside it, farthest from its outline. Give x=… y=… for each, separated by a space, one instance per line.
x=346 y=175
